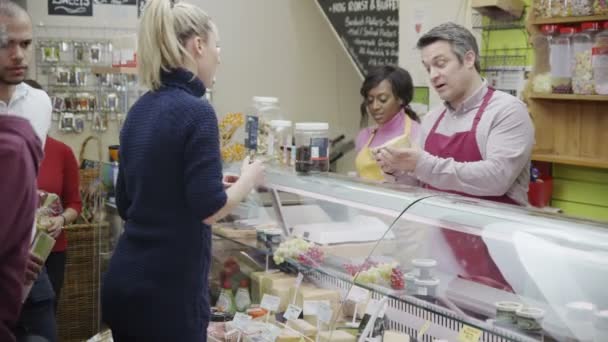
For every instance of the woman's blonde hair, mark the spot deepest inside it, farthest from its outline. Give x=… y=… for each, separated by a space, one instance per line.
x=164 y=28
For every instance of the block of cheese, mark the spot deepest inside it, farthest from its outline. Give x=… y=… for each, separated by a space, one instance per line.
x=281 y=290
x=311 y=293
x=336 y=336
x=394 y=336
x=262 y=282
x=288 y=335
x=303 y=327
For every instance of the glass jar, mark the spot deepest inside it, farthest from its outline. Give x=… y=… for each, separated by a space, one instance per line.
x=599 y=57
x=542 y=8
x=279 y=141
x=541 y=81
x=312 y=147
x=582 y=70
x=582 y=7
x=600 y=7
x=561 y=8
x=257 y=128
x=560 y=59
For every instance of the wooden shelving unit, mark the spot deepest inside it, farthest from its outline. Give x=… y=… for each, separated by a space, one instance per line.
x=570 y=129
x=568 y=20
x=113 y=70
x=569 y=97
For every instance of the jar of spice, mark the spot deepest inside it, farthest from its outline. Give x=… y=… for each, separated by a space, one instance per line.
x=582 y=70
x=312 y=147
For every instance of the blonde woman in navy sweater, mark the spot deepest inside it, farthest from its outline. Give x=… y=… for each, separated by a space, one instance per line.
x=169 y=187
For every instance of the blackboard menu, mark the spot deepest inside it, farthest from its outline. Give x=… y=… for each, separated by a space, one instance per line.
x=369 y=29
x=71 y=7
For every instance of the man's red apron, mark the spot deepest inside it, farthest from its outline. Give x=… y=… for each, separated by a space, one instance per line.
x=469 y=250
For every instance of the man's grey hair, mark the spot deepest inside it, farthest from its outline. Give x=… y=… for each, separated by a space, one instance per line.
x=461 y=40
x=11 y=9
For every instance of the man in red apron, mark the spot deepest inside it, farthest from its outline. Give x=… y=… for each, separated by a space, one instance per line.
x=477 y=144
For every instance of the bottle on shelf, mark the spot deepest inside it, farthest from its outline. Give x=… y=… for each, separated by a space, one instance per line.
x=582 y=8
x=226 y=302
x=257 y=126
x=561 y=61
x=582 y=70
x=243 y=299
x=542 y=64
x=600 y=61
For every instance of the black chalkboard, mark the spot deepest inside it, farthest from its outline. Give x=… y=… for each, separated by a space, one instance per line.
x=369 y=29
x=71 y=7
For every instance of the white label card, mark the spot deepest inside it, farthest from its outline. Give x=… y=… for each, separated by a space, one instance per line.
x=324 y=313
x=241 y=321
x=311 y=306
x=358 y=294
x=270 y=303
x=292 y=313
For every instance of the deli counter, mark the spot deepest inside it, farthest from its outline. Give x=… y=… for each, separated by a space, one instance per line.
x=333 y=258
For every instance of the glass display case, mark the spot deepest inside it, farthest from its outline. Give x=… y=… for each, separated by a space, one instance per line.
x=373 y=262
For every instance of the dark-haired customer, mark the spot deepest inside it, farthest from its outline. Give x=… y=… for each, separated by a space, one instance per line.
x=387 y=92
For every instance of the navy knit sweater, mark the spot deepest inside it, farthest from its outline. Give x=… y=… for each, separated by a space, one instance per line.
x=170 y=179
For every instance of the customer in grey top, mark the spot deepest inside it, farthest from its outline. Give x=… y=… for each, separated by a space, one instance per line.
x=467 y=145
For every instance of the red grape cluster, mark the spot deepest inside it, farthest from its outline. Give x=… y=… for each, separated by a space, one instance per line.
x=312 y=257
x=397 y=280
x=353 y=269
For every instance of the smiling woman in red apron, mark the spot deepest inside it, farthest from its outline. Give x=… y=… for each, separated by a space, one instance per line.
x=477 y=144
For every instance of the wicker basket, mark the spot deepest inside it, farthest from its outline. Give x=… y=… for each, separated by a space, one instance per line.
x=78 y=311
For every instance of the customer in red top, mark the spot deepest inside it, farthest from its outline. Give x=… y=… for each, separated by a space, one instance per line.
x=59 y=175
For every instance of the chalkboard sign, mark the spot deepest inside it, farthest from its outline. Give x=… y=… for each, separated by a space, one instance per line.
x=369 y=29
x=71 y=7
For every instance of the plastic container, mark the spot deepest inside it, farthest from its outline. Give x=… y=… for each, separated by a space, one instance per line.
x=542 y=62
x=243 y=299
x=582 y=69
x=600 y=326
x=542 y=8
x=312 y=147
x=599 y=59
x=561 y=8
x=427 y=288
x=579 y=318
x=530 y=319
x=560 y=59
x=424 y=268
x=600 y=7
x=506 y=312
x=410 y=283
x=257 y=127
x=225 y=302
x=582 y=7
x=279 y=141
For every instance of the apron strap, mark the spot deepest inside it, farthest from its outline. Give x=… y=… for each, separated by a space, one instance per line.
x=482 y=108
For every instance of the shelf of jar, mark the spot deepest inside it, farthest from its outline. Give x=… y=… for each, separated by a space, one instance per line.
x=567 y=20
x=569 y=97
x=114 y=70
x=570 y=160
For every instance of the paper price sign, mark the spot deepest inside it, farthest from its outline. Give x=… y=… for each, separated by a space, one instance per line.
x=469 y=334
x=270 y=303
x=324 y=313
x=241 y=321
x=310 y=306
x=358 y=294
x=292 y=313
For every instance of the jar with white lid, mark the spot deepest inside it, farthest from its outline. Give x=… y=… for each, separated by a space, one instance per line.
x=257 y=126
x=312 y=147
x=424 y=268
x=427 y=288
x=279 y=141
x=582 y=69
x=561 y=61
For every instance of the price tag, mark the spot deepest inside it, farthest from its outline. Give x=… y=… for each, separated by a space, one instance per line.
x=241 y=321
x=292 y=313
x=358 y=294
x=469 y=334
x=271 y=333
x=270 y=303
x=324 y=313
x=311 y=306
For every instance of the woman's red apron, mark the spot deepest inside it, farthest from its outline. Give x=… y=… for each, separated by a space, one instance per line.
x=469 y=250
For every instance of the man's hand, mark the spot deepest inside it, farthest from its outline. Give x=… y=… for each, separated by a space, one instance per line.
x=397 y=160
x=55 y=226
x=33 y=268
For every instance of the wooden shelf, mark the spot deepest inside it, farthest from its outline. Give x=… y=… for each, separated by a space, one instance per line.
x=569 y=97
x=578 y=161
x=568 y=20
x=114 y=70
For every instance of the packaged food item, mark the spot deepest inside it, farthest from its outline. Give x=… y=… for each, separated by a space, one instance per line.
x=582 y=7
x=225 y=302
x=582 y=69
x=600 y=7
x=242 y=299
x=599 y=60
x=312 y=147
x=561 y=8
x=506 y=312
x=561 y=64
x=542 y=8
x=530 y=319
